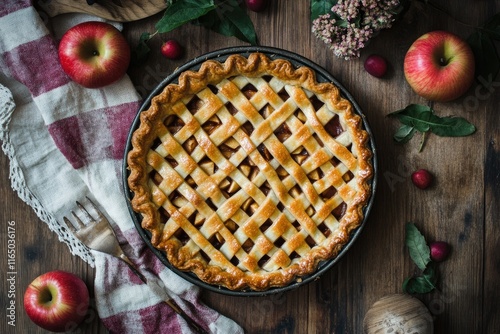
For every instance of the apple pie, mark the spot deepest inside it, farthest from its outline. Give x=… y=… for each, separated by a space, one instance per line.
x=249 y=172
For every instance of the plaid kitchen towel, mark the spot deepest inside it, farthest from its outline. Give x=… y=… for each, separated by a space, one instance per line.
x=66 y=142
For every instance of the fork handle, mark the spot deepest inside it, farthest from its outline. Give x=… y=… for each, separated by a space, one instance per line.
x=132 y=267
x=170 y=302
x=183 y=314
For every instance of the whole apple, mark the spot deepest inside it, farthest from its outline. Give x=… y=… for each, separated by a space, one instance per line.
x=94 y=54
x=57 y=301
x=439 y=66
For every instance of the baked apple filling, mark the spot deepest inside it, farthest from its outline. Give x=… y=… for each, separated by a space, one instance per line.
x=254 y=177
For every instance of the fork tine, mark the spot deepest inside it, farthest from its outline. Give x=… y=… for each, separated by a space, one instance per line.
x=70 y=225
x=78 y=220
x=88 y=216
x=96 y=209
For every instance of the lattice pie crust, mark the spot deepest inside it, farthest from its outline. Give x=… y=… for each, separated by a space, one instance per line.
x=249 y=172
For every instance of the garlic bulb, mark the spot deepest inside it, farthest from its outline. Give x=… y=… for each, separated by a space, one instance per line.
x=398 y=314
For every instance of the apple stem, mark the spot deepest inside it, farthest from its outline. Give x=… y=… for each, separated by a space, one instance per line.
x=422 y=142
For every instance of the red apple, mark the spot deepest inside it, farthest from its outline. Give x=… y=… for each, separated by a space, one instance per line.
x=439 y=66
x=94 y=54
x=57 y=301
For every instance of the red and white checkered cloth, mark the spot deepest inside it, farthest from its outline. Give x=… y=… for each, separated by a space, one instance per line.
x=66 y=142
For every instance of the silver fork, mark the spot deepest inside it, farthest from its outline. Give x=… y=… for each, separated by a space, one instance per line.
x=97 y=234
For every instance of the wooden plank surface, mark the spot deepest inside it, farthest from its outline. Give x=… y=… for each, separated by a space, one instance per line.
x=462 y=207
x=116 y=10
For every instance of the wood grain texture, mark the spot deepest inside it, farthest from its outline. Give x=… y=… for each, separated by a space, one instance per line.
x=116 y=10
x=462 y=207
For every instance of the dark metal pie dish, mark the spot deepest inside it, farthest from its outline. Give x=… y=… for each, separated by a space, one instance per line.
x=321 y=76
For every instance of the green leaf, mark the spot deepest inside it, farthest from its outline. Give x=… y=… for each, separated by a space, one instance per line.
x=452 y=127
x=404 y=133
x=141 y=52
x=485 y=55
x=183 y=11
x=421 y=284
x=238 y=24
x=423 y=119
x=415 y=115
x=420 y=253
x=341 y=23
x=321 y=7
x=229 y=19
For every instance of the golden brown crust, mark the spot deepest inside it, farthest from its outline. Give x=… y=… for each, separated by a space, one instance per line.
x=231 y=231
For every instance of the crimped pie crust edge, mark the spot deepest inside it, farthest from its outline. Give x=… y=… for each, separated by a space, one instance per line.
x=211 y=72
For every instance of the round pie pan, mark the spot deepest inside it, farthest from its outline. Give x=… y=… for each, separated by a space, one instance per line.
x=220 y=55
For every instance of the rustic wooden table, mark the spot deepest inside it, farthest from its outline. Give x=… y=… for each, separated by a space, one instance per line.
x=462 y=207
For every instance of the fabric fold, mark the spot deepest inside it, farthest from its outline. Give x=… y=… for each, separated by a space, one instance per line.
x=66 y=142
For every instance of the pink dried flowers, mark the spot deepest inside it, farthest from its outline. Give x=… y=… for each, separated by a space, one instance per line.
x=350 y=24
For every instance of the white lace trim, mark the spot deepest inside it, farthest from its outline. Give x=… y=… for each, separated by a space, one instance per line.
x=18 y=183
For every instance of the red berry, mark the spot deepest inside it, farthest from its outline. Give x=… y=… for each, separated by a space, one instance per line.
x=256 y=5
x=439 y=250
x=421 y=178
x=171 y=49
x=376 y=65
